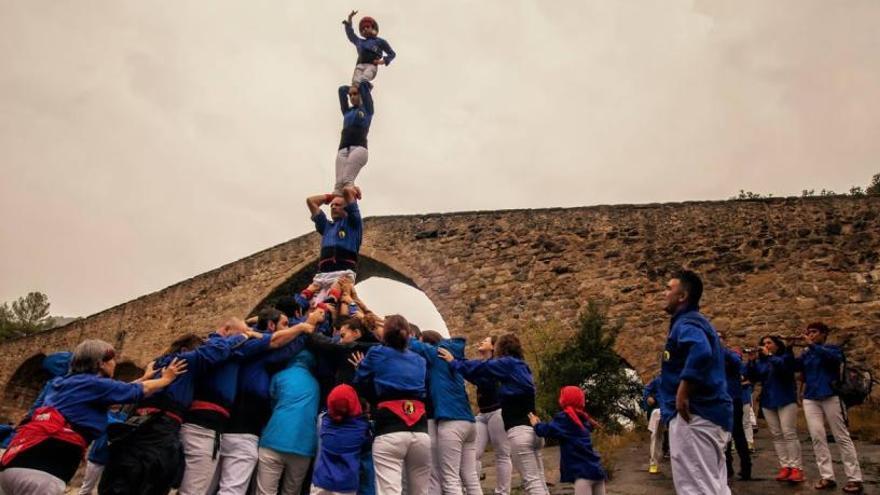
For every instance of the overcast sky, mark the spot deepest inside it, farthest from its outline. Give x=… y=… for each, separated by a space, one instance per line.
x=147 y=142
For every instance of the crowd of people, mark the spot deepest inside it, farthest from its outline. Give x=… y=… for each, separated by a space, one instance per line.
x=701 y=402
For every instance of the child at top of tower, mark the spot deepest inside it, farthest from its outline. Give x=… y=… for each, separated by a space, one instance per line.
x=373 y=51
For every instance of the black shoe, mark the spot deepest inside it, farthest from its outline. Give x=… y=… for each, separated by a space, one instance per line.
x=745 y=476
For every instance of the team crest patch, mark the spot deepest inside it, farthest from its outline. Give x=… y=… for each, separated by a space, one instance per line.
x=666 y=355
x=360 y=114
x=408 y=408
x=341 y=234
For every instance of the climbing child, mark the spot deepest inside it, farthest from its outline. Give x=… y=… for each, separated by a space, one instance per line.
x=578 y=463
x=372 y=50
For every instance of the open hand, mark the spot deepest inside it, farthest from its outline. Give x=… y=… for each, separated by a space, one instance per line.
x=356 y=358
x=379 y=61
x=174 y=369
x=533 y=419
x=352 y=14
x=445 y=355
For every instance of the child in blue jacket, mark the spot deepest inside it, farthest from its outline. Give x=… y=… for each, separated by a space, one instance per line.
x=578 y=463
x=372 y=50
x=345 y=432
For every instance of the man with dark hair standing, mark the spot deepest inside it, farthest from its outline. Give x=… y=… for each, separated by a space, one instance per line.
x=693 y=392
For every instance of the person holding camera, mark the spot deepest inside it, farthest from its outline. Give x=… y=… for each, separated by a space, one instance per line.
x=820 y=364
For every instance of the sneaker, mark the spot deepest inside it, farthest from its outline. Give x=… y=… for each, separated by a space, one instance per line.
x=783 y=475
x=797 y=476
x=653 y=468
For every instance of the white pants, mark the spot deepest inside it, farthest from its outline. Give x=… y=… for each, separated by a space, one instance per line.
x=364 y=72
x=91 y=478
x=830 y=409
x=273 y=464
x=325 y=280
x=782 y=423
x=525 y=450
x=435 y=486
x=457 y=449
x=201 y=463
x=490 y=428
x=655 y=426
x=697 y=453
x=394 y=453
x=589 y=487
x=238 y=458
x=349 y=162
x=749 y=422
x=24 y=481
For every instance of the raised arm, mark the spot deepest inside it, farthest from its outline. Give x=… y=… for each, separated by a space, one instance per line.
x=343 y=99
x=366 y=97
x=349 y=30
x=285 y=336
x=314 y=202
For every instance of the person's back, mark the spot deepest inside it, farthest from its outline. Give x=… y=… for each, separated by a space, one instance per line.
x=345 y=434
x=295 y=396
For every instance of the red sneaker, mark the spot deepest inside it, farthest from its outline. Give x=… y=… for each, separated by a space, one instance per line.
x=797 y=476
x=783 y=475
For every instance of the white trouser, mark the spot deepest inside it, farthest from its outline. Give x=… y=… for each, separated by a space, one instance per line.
x=201 y=463
x=782 y=423
x=24 y=481
x=349 y=162
x=456 y=446
x=589 y=487
x=748 y=423
x=364 y=72
x=655 y=426
x=271 y=466
x=525 y=449
x=696 y=449
x=394 y=453
x=490 y=428
x=325 y=280
x=91 y=478
x=830 y=409
x=238 y=458
x=435 y=486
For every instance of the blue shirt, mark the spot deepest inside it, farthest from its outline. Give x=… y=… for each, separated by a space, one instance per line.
x=651 y=390
x=394 y=374
x=83 y=400
x=344 y=234
x=221 y=385
x=337 y=465
x=356 y=120
x=733 y=373
x=576 y=456
x=446 y=387
x=820 y=364
x=694 y=353
x=747 y=393
x=56 y=364
x=293 y=427
x=517 y=387
x=776 y=374
x=99 y=453
x=369 y=49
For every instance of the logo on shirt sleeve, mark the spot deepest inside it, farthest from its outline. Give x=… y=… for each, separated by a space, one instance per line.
x=341 y=234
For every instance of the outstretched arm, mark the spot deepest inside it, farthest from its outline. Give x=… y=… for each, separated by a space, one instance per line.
x=343 y=98
x=366 y=97
x=349 y=31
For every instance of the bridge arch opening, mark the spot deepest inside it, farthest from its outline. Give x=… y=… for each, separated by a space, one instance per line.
x=25 y=385
x=385 y=289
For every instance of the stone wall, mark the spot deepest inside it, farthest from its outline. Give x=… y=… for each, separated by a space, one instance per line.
x=769 y=266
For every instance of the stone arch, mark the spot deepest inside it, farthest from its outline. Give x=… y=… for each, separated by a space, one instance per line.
x=128 y=371
x=368 y=267
x=25 y=384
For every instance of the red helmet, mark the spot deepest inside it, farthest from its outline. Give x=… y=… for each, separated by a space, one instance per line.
x=368 y=20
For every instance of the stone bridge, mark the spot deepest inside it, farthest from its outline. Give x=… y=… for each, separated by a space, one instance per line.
x=770 y=266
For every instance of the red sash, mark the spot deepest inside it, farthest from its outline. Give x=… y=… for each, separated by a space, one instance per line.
x=45 y=423
x=144 y=411
x=203 y=405
x=409 y=411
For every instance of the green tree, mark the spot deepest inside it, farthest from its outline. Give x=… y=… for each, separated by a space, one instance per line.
x=27 y=314
x=587 y=359
x=874 y=188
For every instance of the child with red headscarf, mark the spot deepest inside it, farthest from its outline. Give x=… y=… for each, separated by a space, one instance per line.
x=345 y=432
x=578 y=464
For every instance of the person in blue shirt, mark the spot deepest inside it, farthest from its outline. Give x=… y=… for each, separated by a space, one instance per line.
x=395 y=378
x=820 y=365
x=345 y=435
x=517 y=397
x=733 y=366
x=290 y=438
x=693 y=392
x=356 y=104
x=578 y=462
x=775 y=369
x=455 y=449
x=372 y=50
x=47 y=449
x=490 y=425
x=651 y=405
x=341 y=238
